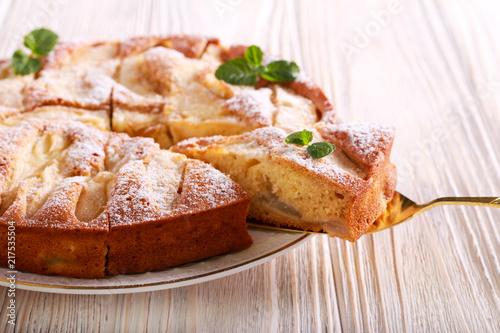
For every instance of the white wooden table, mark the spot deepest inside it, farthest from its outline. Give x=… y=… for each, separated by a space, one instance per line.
x=430 y=68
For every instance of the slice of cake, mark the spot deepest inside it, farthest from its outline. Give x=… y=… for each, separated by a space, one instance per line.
x=86 y=203
x=138 y=105
x=303 y=86
x=342 y=193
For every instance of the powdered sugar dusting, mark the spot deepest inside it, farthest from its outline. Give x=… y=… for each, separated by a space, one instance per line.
x=59 y=209
x=162 y=62
x=306 y=80
x=366 y=140
x=254 y=107
x=132 y=197
x=71 y=86
x=121 y=149
x=268 y=58
x=334 y=167
x=205 y=188
x=13 y=140
x=86 y=155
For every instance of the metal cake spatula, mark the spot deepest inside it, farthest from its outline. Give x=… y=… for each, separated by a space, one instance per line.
x=401 y=209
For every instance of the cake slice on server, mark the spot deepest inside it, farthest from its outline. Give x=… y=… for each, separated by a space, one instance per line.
x=341 y=194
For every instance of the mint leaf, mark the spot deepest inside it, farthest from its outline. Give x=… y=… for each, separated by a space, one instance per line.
x=281 y=71
x=320 y=149
x=307 y=136
x=237 y=71
x=302 y=138
x=254 y=55
x=23 y=64
x=41 y=41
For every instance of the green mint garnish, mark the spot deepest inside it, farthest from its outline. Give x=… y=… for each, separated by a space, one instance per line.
x=40 y=42
x=304 y=138
x=320 y=149
x=281 y=71
x=24 y=64
x=245 y=71
x=254 y=55
x=238 y=72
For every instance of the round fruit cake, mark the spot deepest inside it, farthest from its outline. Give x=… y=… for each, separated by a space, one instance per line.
x=131 y=156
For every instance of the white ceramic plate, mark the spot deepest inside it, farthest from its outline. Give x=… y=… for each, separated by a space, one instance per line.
x=268 y=244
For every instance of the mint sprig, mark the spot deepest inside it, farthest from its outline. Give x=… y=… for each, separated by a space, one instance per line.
x=40 y=42
x=245 y=71
x=320 y=149
x=304 y=138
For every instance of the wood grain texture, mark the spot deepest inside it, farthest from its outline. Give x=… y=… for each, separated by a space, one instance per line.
x=430 y=68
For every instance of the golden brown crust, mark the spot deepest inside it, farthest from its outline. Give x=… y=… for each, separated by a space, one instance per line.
x=6 y=71
x=311 y=90
x=72 y=252
x=79 y=250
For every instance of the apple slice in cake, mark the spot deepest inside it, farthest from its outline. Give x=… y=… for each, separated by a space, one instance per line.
x=342 y=193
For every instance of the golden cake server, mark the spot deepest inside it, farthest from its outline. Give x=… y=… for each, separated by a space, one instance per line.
x=401 y=209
